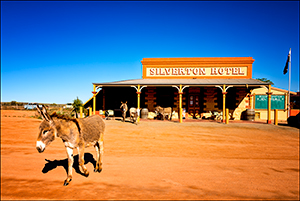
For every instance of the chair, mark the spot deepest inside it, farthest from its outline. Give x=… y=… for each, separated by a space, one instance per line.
x=109 y=114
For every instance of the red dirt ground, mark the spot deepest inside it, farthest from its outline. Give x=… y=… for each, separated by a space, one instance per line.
x=156 y=160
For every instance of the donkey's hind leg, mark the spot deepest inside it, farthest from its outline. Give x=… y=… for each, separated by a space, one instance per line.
x=81 y=161
x=99 y=150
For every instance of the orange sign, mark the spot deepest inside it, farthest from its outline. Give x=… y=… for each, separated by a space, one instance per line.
x=191 y=68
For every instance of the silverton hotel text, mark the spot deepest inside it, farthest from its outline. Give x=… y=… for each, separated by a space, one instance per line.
x=192 y=71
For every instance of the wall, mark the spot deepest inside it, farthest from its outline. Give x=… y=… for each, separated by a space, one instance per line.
x=150 y=98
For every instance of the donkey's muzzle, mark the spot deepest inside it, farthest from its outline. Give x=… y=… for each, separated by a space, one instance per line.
x=40 y=150
x=40 y=146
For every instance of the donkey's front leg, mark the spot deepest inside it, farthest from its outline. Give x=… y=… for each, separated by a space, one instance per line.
x=81 y=161
x=70 y=165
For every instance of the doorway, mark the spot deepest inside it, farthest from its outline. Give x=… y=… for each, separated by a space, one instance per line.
x=194 y=105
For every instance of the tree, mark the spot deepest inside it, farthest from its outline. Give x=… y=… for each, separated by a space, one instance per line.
x=265 y=80
x=77 y=103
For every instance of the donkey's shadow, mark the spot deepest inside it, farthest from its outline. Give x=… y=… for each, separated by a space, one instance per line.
x=50 y=165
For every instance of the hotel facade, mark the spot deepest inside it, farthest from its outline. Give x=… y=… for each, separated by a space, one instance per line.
x=194 y=88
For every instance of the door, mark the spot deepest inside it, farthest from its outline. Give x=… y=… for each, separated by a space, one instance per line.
x=194 y=105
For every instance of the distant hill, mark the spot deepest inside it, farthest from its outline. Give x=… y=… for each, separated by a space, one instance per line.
x=20 y=105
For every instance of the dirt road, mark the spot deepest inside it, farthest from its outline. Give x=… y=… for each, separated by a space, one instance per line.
x=155 y=160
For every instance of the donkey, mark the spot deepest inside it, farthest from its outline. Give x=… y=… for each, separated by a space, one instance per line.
x=124 y=109
x=167 y=111
x=133 y=114
x=75 y=133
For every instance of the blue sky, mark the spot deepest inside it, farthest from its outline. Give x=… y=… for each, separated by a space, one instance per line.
x=52 y=52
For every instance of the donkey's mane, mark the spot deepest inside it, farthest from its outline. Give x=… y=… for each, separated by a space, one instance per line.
x=64 y=117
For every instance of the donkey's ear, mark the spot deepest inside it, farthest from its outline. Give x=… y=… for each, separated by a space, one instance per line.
x=121 y=102
x=43 y=112
x=40 y=111
x=47 y=116
x=126 y=102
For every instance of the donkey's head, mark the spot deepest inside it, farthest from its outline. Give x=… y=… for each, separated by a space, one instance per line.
x=47 y=131
x=158 y=110
x=124 y=106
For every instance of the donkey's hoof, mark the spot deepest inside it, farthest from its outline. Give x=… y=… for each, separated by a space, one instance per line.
x=97 y=170
x=67 y=182
x=86 y=174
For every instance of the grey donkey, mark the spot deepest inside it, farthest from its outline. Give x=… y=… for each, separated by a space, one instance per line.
x=75 y=133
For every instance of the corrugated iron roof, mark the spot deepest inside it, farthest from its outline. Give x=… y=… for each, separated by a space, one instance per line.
x=190 y=82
